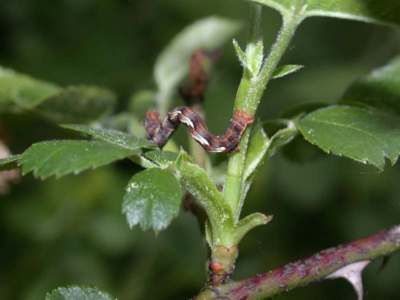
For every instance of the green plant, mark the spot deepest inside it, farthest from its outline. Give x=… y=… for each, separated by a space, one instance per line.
x=363 y=126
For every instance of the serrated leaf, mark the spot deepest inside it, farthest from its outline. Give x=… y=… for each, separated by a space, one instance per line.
x=9 y=163
x=382 y=11
x=380 y=88
x=78 y=293
x=152 y=199
x=172 y=64
x=286 y=70
x=365 y=135
x=59 y=158
x=77 y=104
x=115 y=137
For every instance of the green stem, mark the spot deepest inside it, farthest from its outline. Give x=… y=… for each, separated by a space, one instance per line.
x=249 y=96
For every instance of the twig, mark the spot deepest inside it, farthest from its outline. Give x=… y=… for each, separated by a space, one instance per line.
x=304 y=272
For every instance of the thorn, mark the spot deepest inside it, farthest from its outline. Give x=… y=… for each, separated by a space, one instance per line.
x=353 y=274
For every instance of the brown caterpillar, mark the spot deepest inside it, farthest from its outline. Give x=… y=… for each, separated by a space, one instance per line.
x=159 y=132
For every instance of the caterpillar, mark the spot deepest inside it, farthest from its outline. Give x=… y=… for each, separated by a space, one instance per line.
x=200 y=66
x=159 y=132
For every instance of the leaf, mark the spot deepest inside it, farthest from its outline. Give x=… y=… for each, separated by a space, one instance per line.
x=241 y=55
x=381 y=88
x=261 y=147
x=163 y=159
x=257 y=148
x=365 y=135
x=248 y=223
x=254 y=57
x=77 y=104
x=115 y=137
x=353 y=274
x=281 y=138
x=382 y=11
x=59 y=158
x=9 y=163
x=22 y=89
x=77 y=293
x=152 y=199
x=286 y=70
x=172 y=64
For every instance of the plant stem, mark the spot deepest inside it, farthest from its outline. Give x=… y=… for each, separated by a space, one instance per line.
x=312 y=269
x=249 y=96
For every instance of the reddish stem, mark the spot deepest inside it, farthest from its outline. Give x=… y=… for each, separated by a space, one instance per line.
x=303 y=272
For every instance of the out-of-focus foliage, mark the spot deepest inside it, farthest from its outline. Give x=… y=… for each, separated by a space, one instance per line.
x=72 y=231
x=77 y=293
x=385 y=11
x=380 y=88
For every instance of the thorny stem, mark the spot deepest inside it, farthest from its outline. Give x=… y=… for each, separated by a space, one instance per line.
x=248 y=98
x=312 y=269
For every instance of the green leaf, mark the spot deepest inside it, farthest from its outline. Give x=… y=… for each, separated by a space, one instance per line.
x=77 y=293
x=365 y=135
x=24 y=90
x=248 y=223
x=153 y=198
x=173 y=63
x=241 y=55
x=381 y=88
x=115 y=137
x=376 y=11
x=286 y=70
x=281 y=138
x=59 y=158
x=9 y=163
x=163 y=159
x=261 y=148
x=77 y=104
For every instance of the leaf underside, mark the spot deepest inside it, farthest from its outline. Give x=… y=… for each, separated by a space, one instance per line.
x=59 y=158
x=375 y=11
x=365 y=135
x=115 y=137
x=78 y=104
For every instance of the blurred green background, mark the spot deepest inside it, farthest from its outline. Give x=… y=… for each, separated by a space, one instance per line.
x=71 y=231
